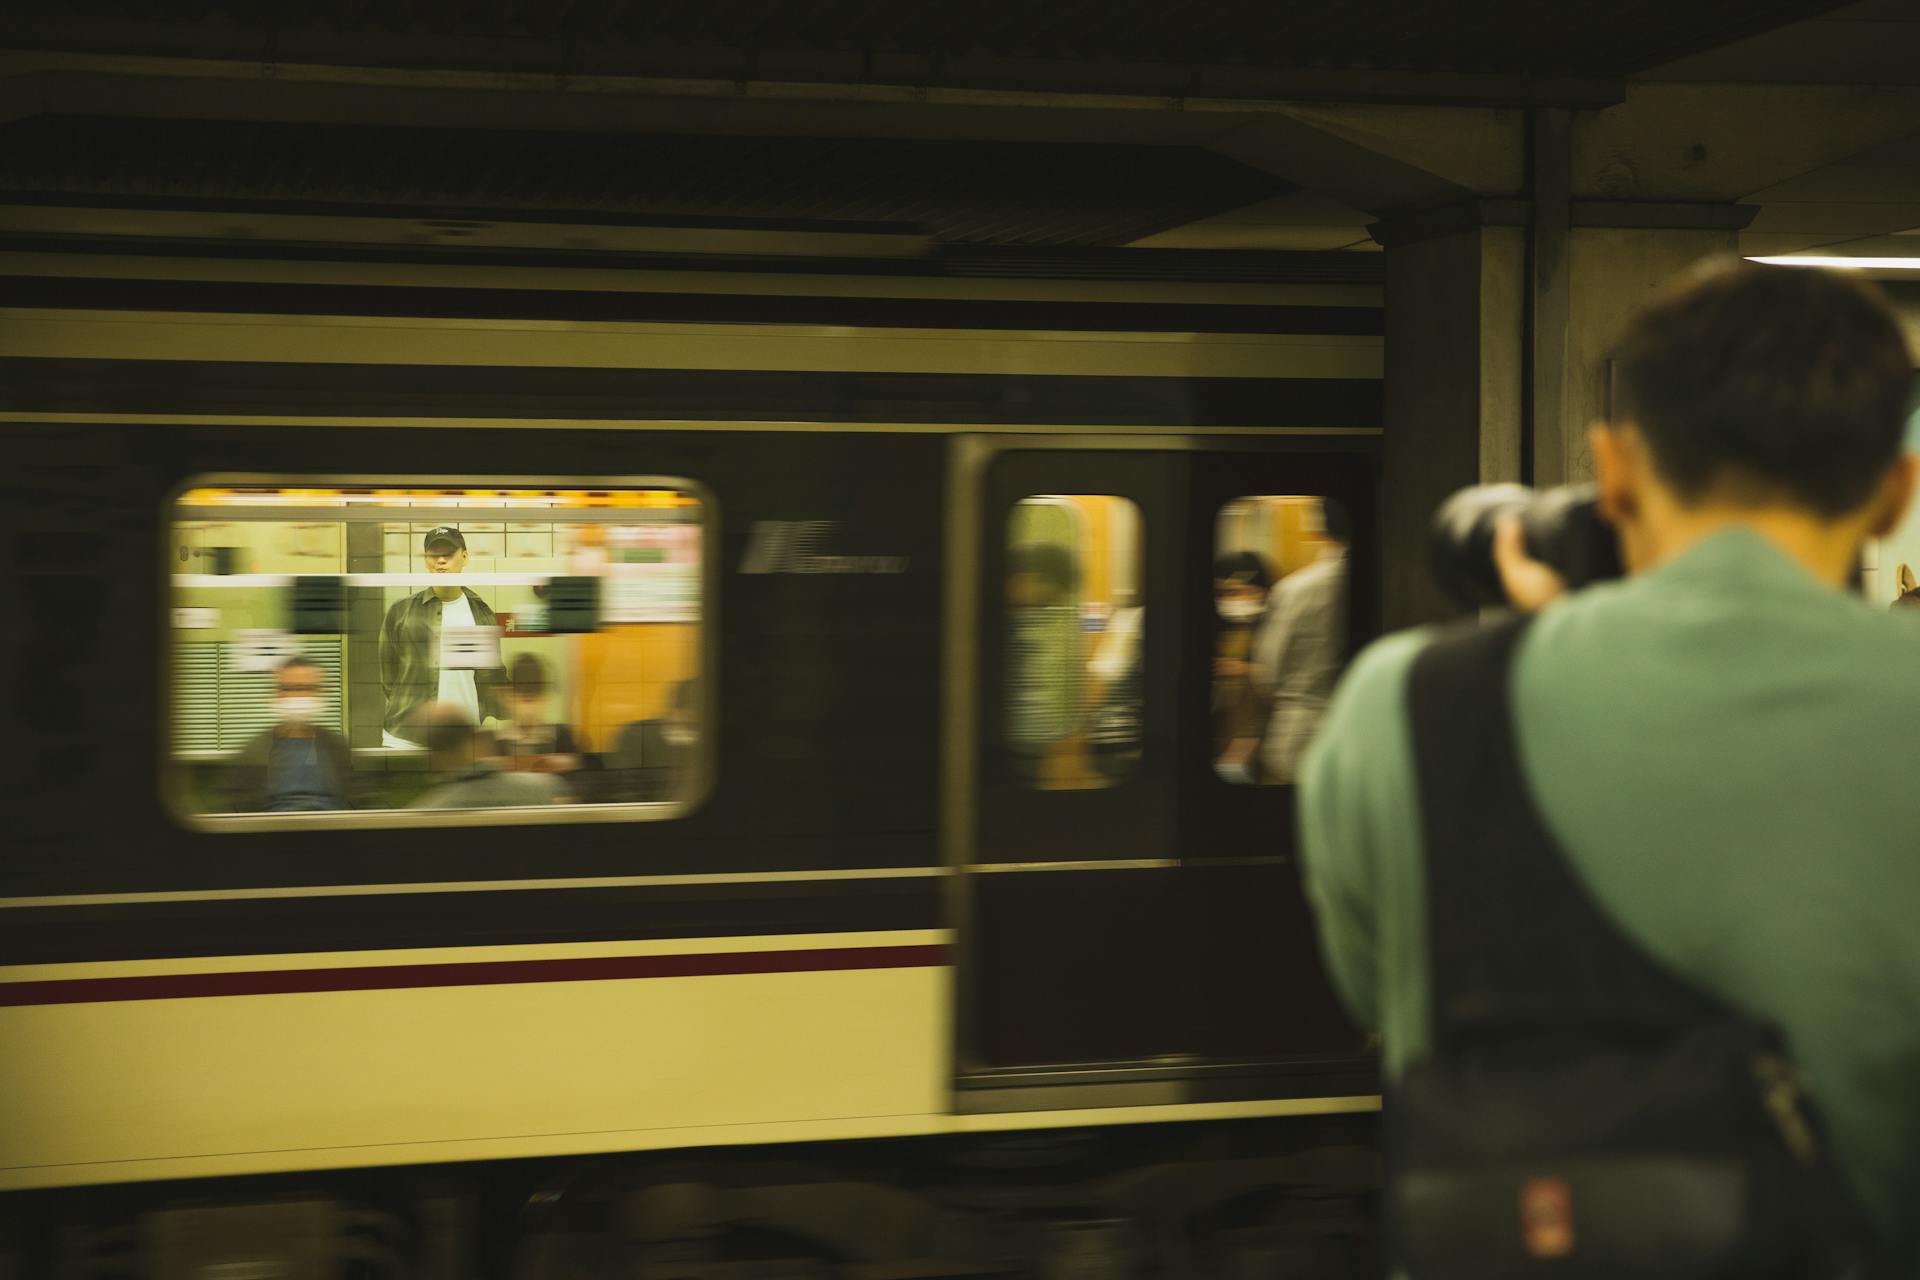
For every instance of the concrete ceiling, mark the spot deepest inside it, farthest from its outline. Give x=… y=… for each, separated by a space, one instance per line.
x=988 y=122
x=1868 y=42
x=1816 y=122
x=957 y=190
x=1063 y=45
x=1861 y=202
x=1302 y=220
x=1868 y=204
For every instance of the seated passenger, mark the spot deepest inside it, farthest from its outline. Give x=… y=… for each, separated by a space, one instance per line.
x=467 y=776
x=529 y=740
x=294 y=765
x=652 y=758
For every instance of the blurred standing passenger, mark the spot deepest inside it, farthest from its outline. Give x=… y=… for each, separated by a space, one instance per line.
x=1118 y=650
x=1297 y=655
x=465 y=777
x=1043 y=654
x=295 y=765
x=1114 y=728
x=410 y=672
x=1241 y=581
x=1722 y=745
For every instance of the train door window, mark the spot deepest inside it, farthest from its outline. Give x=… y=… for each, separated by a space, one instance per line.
x=1280 y=573
x=1073 y=641
x=372 y=655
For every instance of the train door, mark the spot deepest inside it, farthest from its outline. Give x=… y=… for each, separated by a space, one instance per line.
x=1132 y=927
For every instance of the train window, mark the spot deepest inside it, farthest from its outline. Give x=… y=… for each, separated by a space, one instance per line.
x=371 y=655
x=1279 y=591
x=1074 y=625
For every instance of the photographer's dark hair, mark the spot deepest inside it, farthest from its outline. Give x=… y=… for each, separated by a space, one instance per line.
x=1768 y=382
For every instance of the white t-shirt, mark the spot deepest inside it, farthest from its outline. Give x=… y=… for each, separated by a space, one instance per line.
x=457 y=687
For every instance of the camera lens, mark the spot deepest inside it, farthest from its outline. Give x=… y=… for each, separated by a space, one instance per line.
x=1460 y=541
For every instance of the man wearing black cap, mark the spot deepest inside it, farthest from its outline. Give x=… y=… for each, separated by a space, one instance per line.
x=410 y=671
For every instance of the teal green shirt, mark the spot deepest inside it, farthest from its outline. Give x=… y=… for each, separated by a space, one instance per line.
x=1729 y=752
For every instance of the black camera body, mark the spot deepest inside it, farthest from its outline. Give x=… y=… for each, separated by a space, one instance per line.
x=1563 y=528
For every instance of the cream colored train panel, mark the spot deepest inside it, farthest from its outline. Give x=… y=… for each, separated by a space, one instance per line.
x=838 y=1035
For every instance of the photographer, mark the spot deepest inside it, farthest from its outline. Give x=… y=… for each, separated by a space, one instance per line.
x=1722 y=744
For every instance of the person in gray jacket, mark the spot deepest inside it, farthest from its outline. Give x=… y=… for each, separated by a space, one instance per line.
x=1300 y=647
x=466 y=775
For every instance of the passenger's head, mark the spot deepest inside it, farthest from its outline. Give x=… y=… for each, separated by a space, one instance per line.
x=299 y=686
x=1241 y=580
x=1746 y=389
x=527 y=688
x=450 y=737
x=1040 y=573
x=446 y=552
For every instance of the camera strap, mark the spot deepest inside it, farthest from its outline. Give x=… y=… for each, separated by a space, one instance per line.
x=1514 y=937
x=1579 y=1098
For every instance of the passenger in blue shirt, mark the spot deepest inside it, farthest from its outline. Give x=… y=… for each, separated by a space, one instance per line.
x=296 y=765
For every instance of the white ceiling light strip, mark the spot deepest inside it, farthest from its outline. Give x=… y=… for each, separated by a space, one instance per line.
x=1834 y=260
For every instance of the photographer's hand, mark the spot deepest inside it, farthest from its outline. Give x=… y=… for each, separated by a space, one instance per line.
x=1530 y=585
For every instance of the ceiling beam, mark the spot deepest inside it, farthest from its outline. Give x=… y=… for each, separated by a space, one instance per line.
x=571 y=62
x=1730 y=141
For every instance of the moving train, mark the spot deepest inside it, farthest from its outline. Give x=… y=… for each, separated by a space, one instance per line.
x=935 y=943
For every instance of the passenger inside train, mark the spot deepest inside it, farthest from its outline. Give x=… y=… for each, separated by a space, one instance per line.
x=416 y=669
x=468 y=770
x=1074 y=632
x=1241 y=581
x=651 y=759
x=531 y=739
x=294 y=765
x=350 y=647
x=1302 y=645
x=1280 y=575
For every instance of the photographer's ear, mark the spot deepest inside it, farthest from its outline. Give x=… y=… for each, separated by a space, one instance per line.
x=1891 y=499
x=1618 y=462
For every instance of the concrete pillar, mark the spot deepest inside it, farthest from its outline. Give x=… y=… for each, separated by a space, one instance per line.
x=1454 y=351
x=1619 y=255
x=1549 y=297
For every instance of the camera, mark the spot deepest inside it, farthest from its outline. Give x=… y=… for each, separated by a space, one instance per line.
x=1563 y=529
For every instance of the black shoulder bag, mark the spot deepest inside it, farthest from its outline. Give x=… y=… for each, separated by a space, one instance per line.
x=1583 y=1111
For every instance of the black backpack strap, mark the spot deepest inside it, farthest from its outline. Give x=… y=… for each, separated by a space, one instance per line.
x=1515 y=941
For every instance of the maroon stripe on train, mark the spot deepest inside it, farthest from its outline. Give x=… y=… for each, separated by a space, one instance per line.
x=480 y=973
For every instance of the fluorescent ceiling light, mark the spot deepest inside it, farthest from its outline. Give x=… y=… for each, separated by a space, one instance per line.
x=1829 y=260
